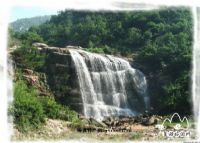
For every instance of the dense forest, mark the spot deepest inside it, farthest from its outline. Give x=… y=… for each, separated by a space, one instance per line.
x=159 y=41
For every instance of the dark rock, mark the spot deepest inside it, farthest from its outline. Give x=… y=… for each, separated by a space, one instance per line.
x=130 y=120
x=115 y=123
x=149 y=121
x=96 y=123
x=62 y=78
x=91 y=128
x=125 y=120
x=28 y=71
x=85 y=121
x=75 y=92
x=108 y=121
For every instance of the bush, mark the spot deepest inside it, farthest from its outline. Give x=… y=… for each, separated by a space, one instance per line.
x=27 y=111
x=50 y=107
x=54 y=110
x=102 y=50
x=95 y=50
x=30 y=110
x=29 y=57
x=30 y=37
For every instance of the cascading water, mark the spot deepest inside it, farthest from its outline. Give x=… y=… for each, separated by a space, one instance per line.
x=103 y=81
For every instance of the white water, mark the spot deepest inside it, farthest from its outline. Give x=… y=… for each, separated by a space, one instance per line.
x=103 y=81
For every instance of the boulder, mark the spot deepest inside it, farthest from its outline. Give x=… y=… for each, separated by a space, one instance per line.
x=96 y=123
x=28 y=71
x=149 y=121
x=74 y=47
x=40 y=45
x=90 y=128
x=109 y=121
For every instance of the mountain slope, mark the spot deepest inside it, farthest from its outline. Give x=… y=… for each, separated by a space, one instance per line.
x=24 y=24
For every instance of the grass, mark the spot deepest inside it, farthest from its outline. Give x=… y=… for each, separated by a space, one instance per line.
x=73 y=135
x=136 y=136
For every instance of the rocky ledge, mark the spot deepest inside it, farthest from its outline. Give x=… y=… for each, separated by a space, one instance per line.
x=118 y=124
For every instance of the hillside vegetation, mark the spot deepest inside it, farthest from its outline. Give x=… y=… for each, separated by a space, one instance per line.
x=24 y=24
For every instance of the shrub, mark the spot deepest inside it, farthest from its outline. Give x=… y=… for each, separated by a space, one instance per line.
x=29 y=57
x=30 y=37
x=27 y=111
x=95 y=50
x=102 y=50
x=54 y=110
x=50 y=107
x=30 y=110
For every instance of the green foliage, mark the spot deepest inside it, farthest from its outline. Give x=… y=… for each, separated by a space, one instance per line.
x=51 y=108
x=12 y=40
x=177 y=95
x=134 y=36
x=54 y=110
x=102 y=50
x=28 y=38
x=136 y=136
x=27 y=111
x=125 y=31
x=95 y=50
x=167 y=60
x=29 y=57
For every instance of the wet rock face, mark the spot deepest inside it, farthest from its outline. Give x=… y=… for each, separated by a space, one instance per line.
x=61 y=76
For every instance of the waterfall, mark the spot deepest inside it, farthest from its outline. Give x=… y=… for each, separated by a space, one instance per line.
x=103 y=81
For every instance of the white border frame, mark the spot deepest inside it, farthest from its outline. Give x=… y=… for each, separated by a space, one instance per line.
x=78 y=5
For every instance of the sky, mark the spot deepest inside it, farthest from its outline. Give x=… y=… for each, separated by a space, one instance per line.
x=28 y=11
x=19 y=12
